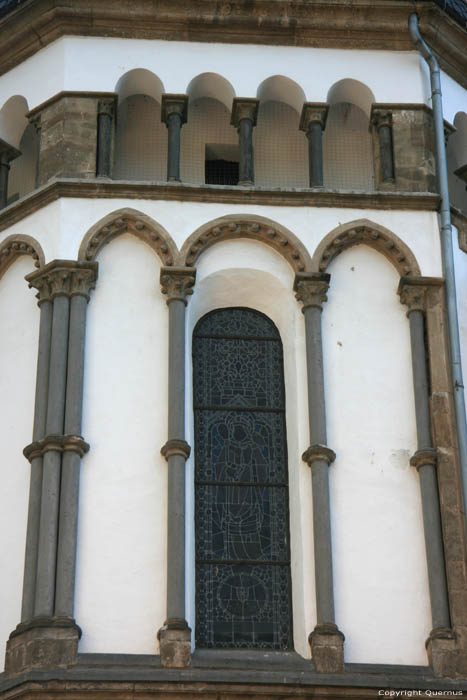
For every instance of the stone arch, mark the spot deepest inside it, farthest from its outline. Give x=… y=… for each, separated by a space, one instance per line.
x=278 y=88
x=353 y=91
x=13 y=120
x=250 y=227
x=139 y=81
x=128 y=221
x=365 y=232
x=211 y=85
x=14 y=246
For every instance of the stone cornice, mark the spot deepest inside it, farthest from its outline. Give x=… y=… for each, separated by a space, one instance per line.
x=109 y=189
x=362 y=24
x=64 y=278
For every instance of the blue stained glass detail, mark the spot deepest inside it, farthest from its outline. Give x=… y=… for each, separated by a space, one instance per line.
x=243 y=592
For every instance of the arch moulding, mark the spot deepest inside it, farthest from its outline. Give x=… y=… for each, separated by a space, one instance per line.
x=365 y=232
x=14 y=246
x=249 y=227
x=128 y=221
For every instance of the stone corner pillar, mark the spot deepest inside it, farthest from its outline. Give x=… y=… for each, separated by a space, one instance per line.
x=7 y=154
x=244 y=117
x=381 y=119
x=174 y=111
x=326 y=640
x=106 y=110
x=313 y=122
x=175 y=635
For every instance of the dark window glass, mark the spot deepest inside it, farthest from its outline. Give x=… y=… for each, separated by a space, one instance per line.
x=243 y=591
x=221 y=172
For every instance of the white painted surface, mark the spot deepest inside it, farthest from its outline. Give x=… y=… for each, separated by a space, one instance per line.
x=122 y=548
x=382 y=599
x=19 y=323
x=460 y=266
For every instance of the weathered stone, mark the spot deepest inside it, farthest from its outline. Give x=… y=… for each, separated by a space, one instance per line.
x=442 y=654
x=175 y=647
x=327 y=649
x=48 y=647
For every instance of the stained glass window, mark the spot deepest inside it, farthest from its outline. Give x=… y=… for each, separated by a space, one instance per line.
x=243 y=590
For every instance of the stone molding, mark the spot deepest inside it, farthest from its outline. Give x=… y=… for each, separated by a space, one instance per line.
x=64 y=278
x=310 y=289
x=16 y=245
x=244 y=108
x=367 y=233
x=319 y=453
x=174 y=104
x=176 y=447
x=313 y=112
x=128 y=221
x=427 y=457
x=177 y=282
x=231 y=227
x=413 y=291
x=58 y=443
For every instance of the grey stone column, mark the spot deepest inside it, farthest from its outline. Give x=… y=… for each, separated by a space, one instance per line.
x=412 y=291
x=244 y=116
x=105 y=117
x=7 y=154
x=313 y=122
x=175 y=635
x=326 y=640
x=174 y=115
x=382 y=120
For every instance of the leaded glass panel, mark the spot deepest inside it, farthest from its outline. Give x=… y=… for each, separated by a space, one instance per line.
x=243 y=594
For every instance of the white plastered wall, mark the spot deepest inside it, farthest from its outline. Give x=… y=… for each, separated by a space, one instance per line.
x=122 y=543
x=460 y=266
x=19 y=323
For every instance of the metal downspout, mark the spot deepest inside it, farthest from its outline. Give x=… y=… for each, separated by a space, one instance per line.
x=446 y=248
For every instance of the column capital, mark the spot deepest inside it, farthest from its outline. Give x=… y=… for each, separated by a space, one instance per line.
x=310 y=288
x=7 y=152
x=424 y=458
x=380 y=117
x=244 y=108
x=313 y=112
x=413 y=291
x=106 y=105
x=64 y=278
x=177 y=282
x=318 y=453
x=174 y=104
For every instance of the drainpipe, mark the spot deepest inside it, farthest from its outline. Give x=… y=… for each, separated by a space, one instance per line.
x=446 y=247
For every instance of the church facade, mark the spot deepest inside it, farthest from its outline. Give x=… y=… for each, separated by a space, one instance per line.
x=232 y=421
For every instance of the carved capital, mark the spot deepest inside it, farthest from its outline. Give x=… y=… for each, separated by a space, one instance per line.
x=176 y=447
x=381 y=117
x=56 y=443
x=424 y=458
x=174 y=104
x=106 y=105
x=64 y=277
x=318 y=453
x=177 y=282
x=310 y=288
x=7 y=152
x=313 y=112
x=244 y=108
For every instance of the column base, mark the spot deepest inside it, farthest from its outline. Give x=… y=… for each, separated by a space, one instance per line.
x=175 y=642
x=327 y=648
x=441 y=647
x=42 y=643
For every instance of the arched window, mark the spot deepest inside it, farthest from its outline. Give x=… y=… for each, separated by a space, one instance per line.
x=243 y=587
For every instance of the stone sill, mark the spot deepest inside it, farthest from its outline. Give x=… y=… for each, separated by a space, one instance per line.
x=105 y=188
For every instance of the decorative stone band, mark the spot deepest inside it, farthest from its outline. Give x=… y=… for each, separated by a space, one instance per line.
x=318 y=453
x=174 y=104
x=310 y=288
x=424 y=458
x=313 y=112
x=47 y=622
x=57 y=443
x=176 y=447
x=177 y=282
x=244 y=108
x=381 y=117
x=64 y=277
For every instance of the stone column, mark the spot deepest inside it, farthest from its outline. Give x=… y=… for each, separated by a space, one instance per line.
x=382 y=121
x=174 y=115
x=412 y=291
x=105 y=117
x=326 y=640
x=175 y=635
x=313 y=122
x=244 y=116
x=7 y=154
x=48 y=636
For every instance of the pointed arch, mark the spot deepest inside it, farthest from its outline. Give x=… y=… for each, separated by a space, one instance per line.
x=251 y=227
x=365 y=232
x=128 y=221
x=14 y=246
